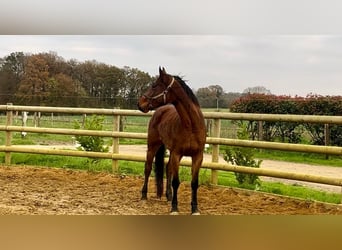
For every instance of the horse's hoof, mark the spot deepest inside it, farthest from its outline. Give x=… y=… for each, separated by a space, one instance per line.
x=174 y=212
x=196 y=213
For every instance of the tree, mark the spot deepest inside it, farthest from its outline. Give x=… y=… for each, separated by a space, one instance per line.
x=209 y=97
x=64 y=91
x=134 y=85
x=257 y=90
x=101 y=82
x=227 y=99
x=47 y=79
x=107 y=82
x=56 y=64
x=33 y=86
x=11 y=73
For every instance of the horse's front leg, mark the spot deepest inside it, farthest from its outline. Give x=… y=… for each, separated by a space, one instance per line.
x=148 y=167
x=196 y=165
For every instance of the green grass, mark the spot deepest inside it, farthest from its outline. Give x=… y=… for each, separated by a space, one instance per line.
x=228 y=179
x=307 y=158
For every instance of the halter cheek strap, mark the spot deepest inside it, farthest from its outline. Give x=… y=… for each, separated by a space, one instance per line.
x=163 y=94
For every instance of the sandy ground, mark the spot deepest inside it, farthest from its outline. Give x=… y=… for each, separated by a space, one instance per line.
x=44 y=191
x=34 y=190
x=289 y=167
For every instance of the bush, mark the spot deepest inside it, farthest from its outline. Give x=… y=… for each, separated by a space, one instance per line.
x=91 y=143
x=289 y=131
x=241 y=156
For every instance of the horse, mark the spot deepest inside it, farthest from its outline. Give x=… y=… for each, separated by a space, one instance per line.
x=177 y=125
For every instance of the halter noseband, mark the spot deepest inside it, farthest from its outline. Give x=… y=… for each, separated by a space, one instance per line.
x=163 y=94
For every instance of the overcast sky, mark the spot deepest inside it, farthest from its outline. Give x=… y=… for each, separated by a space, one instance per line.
x=284 y=64
x=290 y=47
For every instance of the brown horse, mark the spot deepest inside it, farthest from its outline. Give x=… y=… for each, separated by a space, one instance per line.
x=178 y=125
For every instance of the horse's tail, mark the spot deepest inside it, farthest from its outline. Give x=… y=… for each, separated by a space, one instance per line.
x=159 y=170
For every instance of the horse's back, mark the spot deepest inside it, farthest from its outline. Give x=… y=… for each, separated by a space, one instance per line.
x=163 y=114
x=166 y=126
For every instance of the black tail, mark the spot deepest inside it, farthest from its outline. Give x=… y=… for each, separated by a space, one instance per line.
x=159 y=170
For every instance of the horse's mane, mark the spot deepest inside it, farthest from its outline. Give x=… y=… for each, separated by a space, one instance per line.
x=187 y=90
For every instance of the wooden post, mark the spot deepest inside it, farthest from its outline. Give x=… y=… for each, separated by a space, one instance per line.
x=8 y=139
x=116 y=127
x=260 y=130
x=326 y=138
x=216 y=149
x=24 y=122
x=84 y=118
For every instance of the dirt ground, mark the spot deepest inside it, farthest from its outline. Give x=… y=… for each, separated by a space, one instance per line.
x=33 y=190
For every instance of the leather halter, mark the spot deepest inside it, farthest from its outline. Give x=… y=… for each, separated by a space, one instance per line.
x=163 y=94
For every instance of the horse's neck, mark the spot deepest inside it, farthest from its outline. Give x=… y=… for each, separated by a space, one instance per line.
x=190 y=114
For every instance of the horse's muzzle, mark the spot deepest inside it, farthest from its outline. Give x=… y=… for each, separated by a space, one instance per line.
x=143 y=108
x=144 y=104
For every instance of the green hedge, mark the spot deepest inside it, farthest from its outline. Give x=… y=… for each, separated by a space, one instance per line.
x=289 y=131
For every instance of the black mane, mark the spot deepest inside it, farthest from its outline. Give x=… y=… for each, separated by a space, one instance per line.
x=187 y=90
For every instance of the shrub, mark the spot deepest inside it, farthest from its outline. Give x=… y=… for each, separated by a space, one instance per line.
x=241 y=156
x=289 y=131
x=92 y=143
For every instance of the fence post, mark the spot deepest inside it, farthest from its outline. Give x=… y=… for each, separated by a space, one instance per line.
x=216 y=149
x=326 y=137
x=260 y=131
x=116 y=128
x=8 y=139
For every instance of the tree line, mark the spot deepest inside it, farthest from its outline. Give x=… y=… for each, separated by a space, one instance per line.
x=47 y=79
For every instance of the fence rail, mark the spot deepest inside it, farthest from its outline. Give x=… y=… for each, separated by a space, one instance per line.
x=215 y=141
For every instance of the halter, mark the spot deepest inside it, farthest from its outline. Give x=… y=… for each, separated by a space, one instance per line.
x=163 y=94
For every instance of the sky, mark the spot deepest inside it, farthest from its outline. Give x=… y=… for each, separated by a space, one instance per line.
x=290 y=47
x=284 y=64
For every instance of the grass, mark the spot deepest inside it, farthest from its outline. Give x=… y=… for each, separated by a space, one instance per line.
x=228 y=179
x=307 y=158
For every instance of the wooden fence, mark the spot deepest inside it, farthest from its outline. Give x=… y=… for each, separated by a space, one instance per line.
x=214 y=140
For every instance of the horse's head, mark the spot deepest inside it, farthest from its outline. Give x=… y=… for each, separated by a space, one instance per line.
x=158 y=94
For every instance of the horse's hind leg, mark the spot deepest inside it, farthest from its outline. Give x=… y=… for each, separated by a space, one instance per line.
x=196 y=164
x=168 y=192
x=173 y=167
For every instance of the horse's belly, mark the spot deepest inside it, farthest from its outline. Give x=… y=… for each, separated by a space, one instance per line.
x=190 y=148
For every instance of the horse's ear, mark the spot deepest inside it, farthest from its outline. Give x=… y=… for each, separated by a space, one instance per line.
x=162 y=71
x=163 y=75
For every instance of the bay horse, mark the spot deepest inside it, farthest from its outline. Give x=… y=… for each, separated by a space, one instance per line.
x=177 y=125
